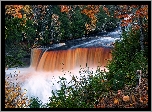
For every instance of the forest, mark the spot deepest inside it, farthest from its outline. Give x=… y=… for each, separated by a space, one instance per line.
x=40 y=26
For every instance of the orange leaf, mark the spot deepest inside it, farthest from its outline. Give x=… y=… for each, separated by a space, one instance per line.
x=19 y=15
x=126 y=98
x=84 y=11
x=116 y=101
x=64 y=8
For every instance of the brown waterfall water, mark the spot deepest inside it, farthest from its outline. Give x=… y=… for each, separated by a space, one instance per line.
x=69 y=59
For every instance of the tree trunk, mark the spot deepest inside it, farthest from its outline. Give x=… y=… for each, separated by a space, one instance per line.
x=141 y=32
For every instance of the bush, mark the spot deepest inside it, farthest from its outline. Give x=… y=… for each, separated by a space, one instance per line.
x=35 y=103
x=127 y=59
x=14 y=97
x=128 y=97
x=80 y=94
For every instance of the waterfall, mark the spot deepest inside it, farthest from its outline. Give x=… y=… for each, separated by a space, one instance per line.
x=69 y=59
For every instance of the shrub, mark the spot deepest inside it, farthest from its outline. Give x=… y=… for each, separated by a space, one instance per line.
x=80 y=94
x=127 y=59
x=14 y=97
x=35 y=103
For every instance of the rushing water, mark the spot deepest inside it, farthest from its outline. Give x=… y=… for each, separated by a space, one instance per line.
x=48 y=64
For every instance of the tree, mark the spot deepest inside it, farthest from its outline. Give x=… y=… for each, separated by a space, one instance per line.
x=95 y=18
x=130 y=54
x=19 y=11
x=75 y=19
x=19 y=34
x=91 y=11
x=42 y=21
x=137 y=16
x=105 y=19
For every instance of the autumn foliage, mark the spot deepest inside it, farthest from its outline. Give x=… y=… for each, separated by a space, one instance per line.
x=14 y=10
x=14 y=97
x=65 y=8
x=127 y=11
x=19 y=11
x=128 y=97
x=89 y=10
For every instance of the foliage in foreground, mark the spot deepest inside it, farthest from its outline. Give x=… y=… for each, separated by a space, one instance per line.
x=14 y=97
x=81 y=94
x=128 y=97
x=36 y=103
x=127 y=59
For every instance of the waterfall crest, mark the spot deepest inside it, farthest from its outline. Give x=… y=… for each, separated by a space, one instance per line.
x=69 y=59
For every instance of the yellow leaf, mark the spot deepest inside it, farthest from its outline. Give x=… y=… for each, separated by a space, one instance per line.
x=133 y=98
x=126 y=98
x=116 y=101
